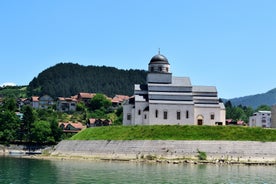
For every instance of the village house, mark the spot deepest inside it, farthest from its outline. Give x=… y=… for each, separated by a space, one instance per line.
x=118 y=100
x=66 y=104
x=70 y=127
x=84 y=97
x=93 y=122
x=260 y=119
x=169 y=100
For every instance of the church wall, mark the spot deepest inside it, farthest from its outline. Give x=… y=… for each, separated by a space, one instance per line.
x=206 y=113
x=171 y=110
x=159 y=78
x=127 y=109
x=139 y=116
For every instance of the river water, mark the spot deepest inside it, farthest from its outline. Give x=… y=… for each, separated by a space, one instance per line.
x=15 y=170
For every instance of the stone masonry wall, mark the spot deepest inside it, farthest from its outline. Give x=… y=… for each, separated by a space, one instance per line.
x=135 y=149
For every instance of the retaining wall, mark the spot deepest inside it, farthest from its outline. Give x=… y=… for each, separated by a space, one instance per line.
x=135 y=149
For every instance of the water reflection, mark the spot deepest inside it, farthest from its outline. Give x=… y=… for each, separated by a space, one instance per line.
x=16 y=170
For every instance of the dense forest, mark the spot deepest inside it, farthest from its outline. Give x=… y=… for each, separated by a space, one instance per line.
x=67 y=79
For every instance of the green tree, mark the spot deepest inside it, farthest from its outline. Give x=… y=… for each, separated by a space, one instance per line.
x=263 y=108
x=27 y=123
x=9 y=125
x=9 y=104
x=55 y=130
x=99 y=101
x=41 y=132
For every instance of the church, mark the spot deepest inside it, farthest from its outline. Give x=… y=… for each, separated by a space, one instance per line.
x=170 y=100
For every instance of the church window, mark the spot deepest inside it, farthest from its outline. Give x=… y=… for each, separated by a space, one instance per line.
x=212 y=116
x=145 y=117
x=151 y=69
x=165 y=115
x=187 y=114
x=128 y=116
x=139 y=112
x=178 y=115
x=156 y=113
x=167 y=69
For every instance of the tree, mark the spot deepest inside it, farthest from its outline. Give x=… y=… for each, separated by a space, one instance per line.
x=263 y=108
x=9 y=104
x=27 y=122
x=41 y=132
x=9 y=125
x=99 y=101
x=55 y=130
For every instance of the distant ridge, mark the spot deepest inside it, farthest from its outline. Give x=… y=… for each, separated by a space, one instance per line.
x=67 y=79
x=268 y=98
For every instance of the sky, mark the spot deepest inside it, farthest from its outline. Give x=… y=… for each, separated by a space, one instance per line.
x=227 y=44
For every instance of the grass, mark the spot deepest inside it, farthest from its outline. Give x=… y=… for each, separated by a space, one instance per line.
x=176 y=132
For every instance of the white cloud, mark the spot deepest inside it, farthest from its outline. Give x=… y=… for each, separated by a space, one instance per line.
x=8 y=84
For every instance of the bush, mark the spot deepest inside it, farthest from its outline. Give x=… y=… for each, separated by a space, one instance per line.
x=201 y=155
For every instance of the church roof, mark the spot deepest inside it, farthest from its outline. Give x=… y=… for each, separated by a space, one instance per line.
x=159 y=59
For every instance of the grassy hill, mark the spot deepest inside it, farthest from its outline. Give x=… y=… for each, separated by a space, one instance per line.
x=175 y=132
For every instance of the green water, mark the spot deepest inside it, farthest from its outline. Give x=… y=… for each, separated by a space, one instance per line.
x=18 y=170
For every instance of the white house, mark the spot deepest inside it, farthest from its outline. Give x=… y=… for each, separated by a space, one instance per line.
x=260 y=119
x=169 y=100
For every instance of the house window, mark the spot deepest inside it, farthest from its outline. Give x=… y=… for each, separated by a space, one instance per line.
x=212 y=116
x=139 y=112
x=128 y=116
x=187 y=114
x=178 y=115
x=156 y=113
x=165 y=115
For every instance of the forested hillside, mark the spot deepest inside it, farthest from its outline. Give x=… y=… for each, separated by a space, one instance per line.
x=66 y=79
x=268 y=98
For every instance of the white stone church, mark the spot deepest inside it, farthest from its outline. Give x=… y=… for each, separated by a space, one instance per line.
x=169 y=100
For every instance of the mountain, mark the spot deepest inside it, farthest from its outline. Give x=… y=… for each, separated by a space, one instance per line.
x=268 y=98
x=67 y=79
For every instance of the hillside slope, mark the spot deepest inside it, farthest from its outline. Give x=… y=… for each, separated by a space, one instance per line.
x=268 y=98
x=66 y=79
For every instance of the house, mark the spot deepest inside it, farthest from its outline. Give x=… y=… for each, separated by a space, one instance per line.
x=45 y=102
x=42 y=102
x=35 y=102
x=85 y=97
x=118 y=100
x=66 y=104
x=169 y=100
x=260 y=119
x=70 y=127
x=92 y=122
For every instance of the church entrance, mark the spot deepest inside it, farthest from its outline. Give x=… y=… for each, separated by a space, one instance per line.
x=199 y=120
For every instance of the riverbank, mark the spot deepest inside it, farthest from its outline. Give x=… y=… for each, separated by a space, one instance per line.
x=230 y=152
x=159 y=151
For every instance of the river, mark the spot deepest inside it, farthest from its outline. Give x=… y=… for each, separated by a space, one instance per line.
x=14 y=170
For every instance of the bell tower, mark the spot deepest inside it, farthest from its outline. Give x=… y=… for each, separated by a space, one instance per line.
x=159 y=70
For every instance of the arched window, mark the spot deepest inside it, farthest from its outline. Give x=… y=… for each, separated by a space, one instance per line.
x=187 y=114
x=139 y=112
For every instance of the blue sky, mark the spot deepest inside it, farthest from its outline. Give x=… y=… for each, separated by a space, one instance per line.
x=227 y=44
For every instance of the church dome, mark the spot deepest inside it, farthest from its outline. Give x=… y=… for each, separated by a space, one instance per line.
x=159 y=59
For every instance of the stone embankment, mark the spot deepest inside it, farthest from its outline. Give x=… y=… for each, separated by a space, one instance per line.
x=216 y=151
